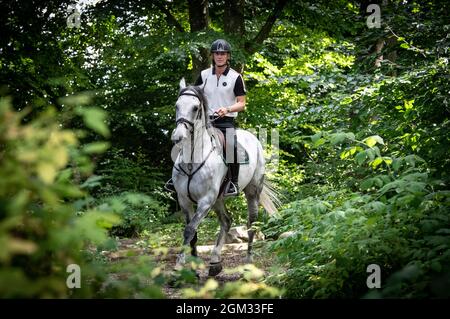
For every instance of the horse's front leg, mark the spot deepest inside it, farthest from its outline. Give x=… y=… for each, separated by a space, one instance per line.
x=187 y=208
x=190 y=230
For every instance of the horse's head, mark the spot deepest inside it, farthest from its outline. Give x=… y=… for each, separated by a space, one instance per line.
x=189 y=108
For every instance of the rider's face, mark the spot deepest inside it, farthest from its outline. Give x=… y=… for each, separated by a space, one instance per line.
x=220 y=58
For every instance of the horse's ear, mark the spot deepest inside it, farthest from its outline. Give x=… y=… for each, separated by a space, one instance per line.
x=182 y=83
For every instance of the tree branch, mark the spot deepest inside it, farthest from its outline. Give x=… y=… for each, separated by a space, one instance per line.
x=169 y=17
x=265 y=30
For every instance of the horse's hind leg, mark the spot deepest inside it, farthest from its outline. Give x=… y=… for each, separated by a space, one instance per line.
x=215 y=266
x=252 y=193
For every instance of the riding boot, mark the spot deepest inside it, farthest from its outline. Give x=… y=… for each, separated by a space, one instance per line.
x=169 y=186
x=233 y=186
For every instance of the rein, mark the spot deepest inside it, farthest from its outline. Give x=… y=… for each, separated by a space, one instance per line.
x=183 y=120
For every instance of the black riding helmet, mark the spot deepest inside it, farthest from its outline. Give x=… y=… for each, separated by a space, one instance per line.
x=220 y=45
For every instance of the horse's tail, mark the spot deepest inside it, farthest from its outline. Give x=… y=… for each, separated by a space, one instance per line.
x=269 y=198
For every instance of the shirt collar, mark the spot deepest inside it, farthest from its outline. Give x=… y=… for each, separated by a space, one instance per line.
x=224 y=72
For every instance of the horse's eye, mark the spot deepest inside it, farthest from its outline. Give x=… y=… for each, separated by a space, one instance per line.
x=195 y=108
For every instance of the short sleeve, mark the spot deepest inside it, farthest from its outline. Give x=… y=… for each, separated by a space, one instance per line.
x=199 y=80
x=239 y=87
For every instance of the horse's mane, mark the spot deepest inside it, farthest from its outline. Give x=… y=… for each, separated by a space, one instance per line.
x=201 y=95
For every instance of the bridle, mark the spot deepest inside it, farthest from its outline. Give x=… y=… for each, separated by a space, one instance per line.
x=182 y=120
x=199 y=114
x=192 y=91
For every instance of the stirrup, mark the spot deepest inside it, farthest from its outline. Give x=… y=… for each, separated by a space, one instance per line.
x=232 y=190
x=169 y=186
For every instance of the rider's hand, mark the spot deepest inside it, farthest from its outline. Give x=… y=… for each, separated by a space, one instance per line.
x=222 y=111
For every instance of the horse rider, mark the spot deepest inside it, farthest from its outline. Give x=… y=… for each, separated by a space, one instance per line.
x=225 y=92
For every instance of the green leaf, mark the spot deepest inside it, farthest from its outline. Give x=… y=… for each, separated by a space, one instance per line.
x=319 y=208
x=370 y=141
x=376 y=162
x=361 y=157
x=367 y=184
x=378 y=181
x=409 y=104
x=350 y=136
x=416 y=187
x=319 y=142
x=338 y=138
x=96 y=147
x=68 y=191
x=373 y=140
x=346 y=100
x=390 y=186
x=95 y=119
x=348 y=152
x=93 y=225
x=377 y=206
x=371 y=221
x=404 y=45
x=77 y=99
x=92 y=181
x=385 y=179
x=64 y=175
x=316 y=137
x=396 y=164
x=412 y=159
x=46 y=172
x=371 y=154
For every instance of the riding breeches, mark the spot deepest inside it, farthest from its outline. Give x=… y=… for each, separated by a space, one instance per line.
x=227 y=126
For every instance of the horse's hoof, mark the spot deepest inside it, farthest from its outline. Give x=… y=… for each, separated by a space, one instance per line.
x=215 y=269
x=248 y=260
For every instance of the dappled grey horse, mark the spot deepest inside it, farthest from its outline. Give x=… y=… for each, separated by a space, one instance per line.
x=200 y=170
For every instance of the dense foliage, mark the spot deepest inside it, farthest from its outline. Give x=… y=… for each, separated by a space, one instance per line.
x=362 y=114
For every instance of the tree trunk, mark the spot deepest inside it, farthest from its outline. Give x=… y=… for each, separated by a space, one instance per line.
x=380 y=44
x=391 y=42
x=378 y=49
x=199 y=21
x=234 y=24
x=233 y=17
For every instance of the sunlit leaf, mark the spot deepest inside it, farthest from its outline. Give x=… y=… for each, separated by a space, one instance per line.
x=373 y=140
x=96 y=147
x=95 y=119
x=46 y=172
x=376 y=162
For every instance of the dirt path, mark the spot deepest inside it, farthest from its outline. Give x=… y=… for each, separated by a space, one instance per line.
x=232 y=257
